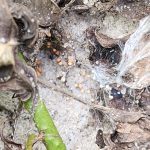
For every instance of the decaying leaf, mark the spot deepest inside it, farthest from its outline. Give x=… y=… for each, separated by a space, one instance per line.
x=122 y=128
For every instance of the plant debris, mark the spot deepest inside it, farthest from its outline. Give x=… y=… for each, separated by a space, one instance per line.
x=69 y=41
x=126 y=123
x=105 y=54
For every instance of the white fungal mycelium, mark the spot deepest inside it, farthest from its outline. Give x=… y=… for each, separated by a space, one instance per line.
x=136 y=57
x=134 y=67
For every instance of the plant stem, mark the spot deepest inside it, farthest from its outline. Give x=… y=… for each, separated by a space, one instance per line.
x=45 y=124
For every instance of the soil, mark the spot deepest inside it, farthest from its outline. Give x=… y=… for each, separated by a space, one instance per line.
x=71 y=86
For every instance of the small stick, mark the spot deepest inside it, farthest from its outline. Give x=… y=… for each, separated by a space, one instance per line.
x=67 y=6
x=107 y=110
x=68 y=93
x=63 y=91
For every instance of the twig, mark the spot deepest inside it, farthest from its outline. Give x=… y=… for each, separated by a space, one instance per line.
x=68 y=93
x=67 y=6
x=63 y=91
x=55 y=4
x=107 y=110
x=8 y=143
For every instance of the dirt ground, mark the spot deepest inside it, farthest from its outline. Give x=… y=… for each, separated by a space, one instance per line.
x=68 y=79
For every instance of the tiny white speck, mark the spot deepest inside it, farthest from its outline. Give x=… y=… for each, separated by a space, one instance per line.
x=32 y=20
x=108 y=87
x=33 y=85
x=28 y=31
x=2 y=40
x=31 y=79
x=22 y=71
x=110 y=97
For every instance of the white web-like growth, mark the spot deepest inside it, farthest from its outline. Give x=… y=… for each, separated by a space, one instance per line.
x=135 y=60
x=136 y=57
